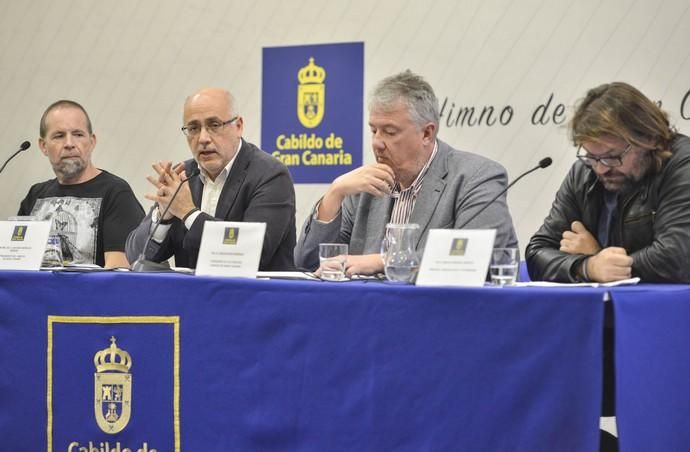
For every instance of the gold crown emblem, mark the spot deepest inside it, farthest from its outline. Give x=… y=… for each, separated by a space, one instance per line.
x=311 y=73
x=112 y=358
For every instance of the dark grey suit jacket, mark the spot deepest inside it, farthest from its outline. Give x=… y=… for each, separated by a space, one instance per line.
x=455 y=187
x=258 y=189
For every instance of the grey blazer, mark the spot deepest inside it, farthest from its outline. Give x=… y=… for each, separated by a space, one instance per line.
x=455 y=187
x=258 y=188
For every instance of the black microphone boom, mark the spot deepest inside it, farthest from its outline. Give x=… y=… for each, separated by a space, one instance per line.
x=543 y=163
x=144 y=265
x=24 y=146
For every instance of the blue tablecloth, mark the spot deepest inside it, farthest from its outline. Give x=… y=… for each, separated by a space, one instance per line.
x=292 y=365
x=652 y=336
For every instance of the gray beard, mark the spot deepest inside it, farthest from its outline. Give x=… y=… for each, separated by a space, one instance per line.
x=69 y=169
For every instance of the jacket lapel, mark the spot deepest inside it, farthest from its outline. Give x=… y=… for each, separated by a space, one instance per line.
x=432 y=188
x=235 y=179
x=379 y=215
x=592 y=203
x=195 y=185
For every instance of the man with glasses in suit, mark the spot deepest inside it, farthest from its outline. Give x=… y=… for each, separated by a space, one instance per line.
x=624 y=208
x=237 y=182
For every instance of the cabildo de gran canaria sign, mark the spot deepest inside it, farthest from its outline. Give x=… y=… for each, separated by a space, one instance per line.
x=312 y=102
x=113 y=412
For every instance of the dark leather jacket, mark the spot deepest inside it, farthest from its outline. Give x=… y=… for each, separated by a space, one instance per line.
x=652 y=222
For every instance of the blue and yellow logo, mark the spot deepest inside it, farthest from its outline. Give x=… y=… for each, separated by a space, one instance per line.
x=324 y=139
x=103 y=417
x=19 y=233
x=311 y=94
x=458 y=247
x=230 y=236
x=112 y=388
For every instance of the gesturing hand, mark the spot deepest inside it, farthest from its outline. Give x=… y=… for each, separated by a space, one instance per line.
x=167 y=181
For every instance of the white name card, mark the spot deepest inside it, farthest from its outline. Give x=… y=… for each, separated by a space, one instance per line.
x=456 y=257
x=230 y=248
x=22 y=244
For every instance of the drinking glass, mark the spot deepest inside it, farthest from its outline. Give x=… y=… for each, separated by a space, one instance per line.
x=332 y=259
x=505 y=265
x=52 y=256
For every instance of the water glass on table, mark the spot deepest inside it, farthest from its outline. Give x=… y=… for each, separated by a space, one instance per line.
x=52 y=256
x=332 y=260
x=505 y=265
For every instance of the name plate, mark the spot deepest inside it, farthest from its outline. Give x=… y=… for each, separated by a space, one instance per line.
x=22 y=244
x=230 y=248
x=456 y=257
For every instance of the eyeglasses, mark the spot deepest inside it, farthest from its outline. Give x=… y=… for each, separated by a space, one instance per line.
x=611 y=161
x=213 y=126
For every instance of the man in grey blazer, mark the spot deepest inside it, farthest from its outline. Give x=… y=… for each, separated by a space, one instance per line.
x=237 y=182
x=416 y=179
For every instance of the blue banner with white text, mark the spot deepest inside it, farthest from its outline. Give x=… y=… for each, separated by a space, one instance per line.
x=312 y=100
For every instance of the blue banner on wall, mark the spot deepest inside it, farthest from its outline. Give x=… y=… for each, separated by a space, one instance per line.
x=312 y=99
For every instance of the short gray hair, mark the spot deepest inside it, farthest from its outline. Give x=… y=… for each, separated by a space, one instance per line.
x=63 y=103
x=413 y=90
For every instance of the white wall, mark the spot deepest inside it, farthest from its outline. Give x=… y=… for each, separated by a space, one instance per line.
x=131 y=64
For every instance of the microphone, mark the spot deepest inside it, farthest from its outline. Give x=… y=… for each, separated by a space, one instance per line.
x=144 y=265
x=543 y=163
x=24 y=146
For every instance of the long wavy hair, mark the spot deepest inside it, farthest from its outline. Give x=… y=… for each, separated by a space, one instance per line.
x=620 y=110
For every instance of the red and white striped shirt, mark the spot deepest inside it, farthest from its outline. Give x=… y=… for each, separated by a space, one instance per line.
x=406 y=199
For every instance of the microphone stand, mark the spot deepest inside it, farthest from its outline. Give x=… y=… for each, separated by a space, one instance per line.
x=24 y=146
x=543 y=163
x=144 y=265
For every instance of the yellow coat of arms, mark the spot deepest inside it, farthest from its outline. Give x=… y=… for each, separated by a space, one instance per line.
x=112 y=388
x=311 y=94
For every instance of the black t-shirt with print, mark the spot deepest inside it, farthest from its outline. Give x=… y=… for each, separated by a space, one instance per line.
x=91 y=218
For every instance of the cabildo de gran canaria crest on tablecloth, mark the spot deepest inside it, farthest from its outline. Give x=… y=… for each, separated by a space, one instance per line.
x=112 y=388
x=94 y=404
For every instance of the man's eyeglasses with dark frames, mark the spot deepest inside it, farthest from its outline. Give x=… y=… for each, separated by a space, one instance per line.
x=611 y=161
x=213 y=127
